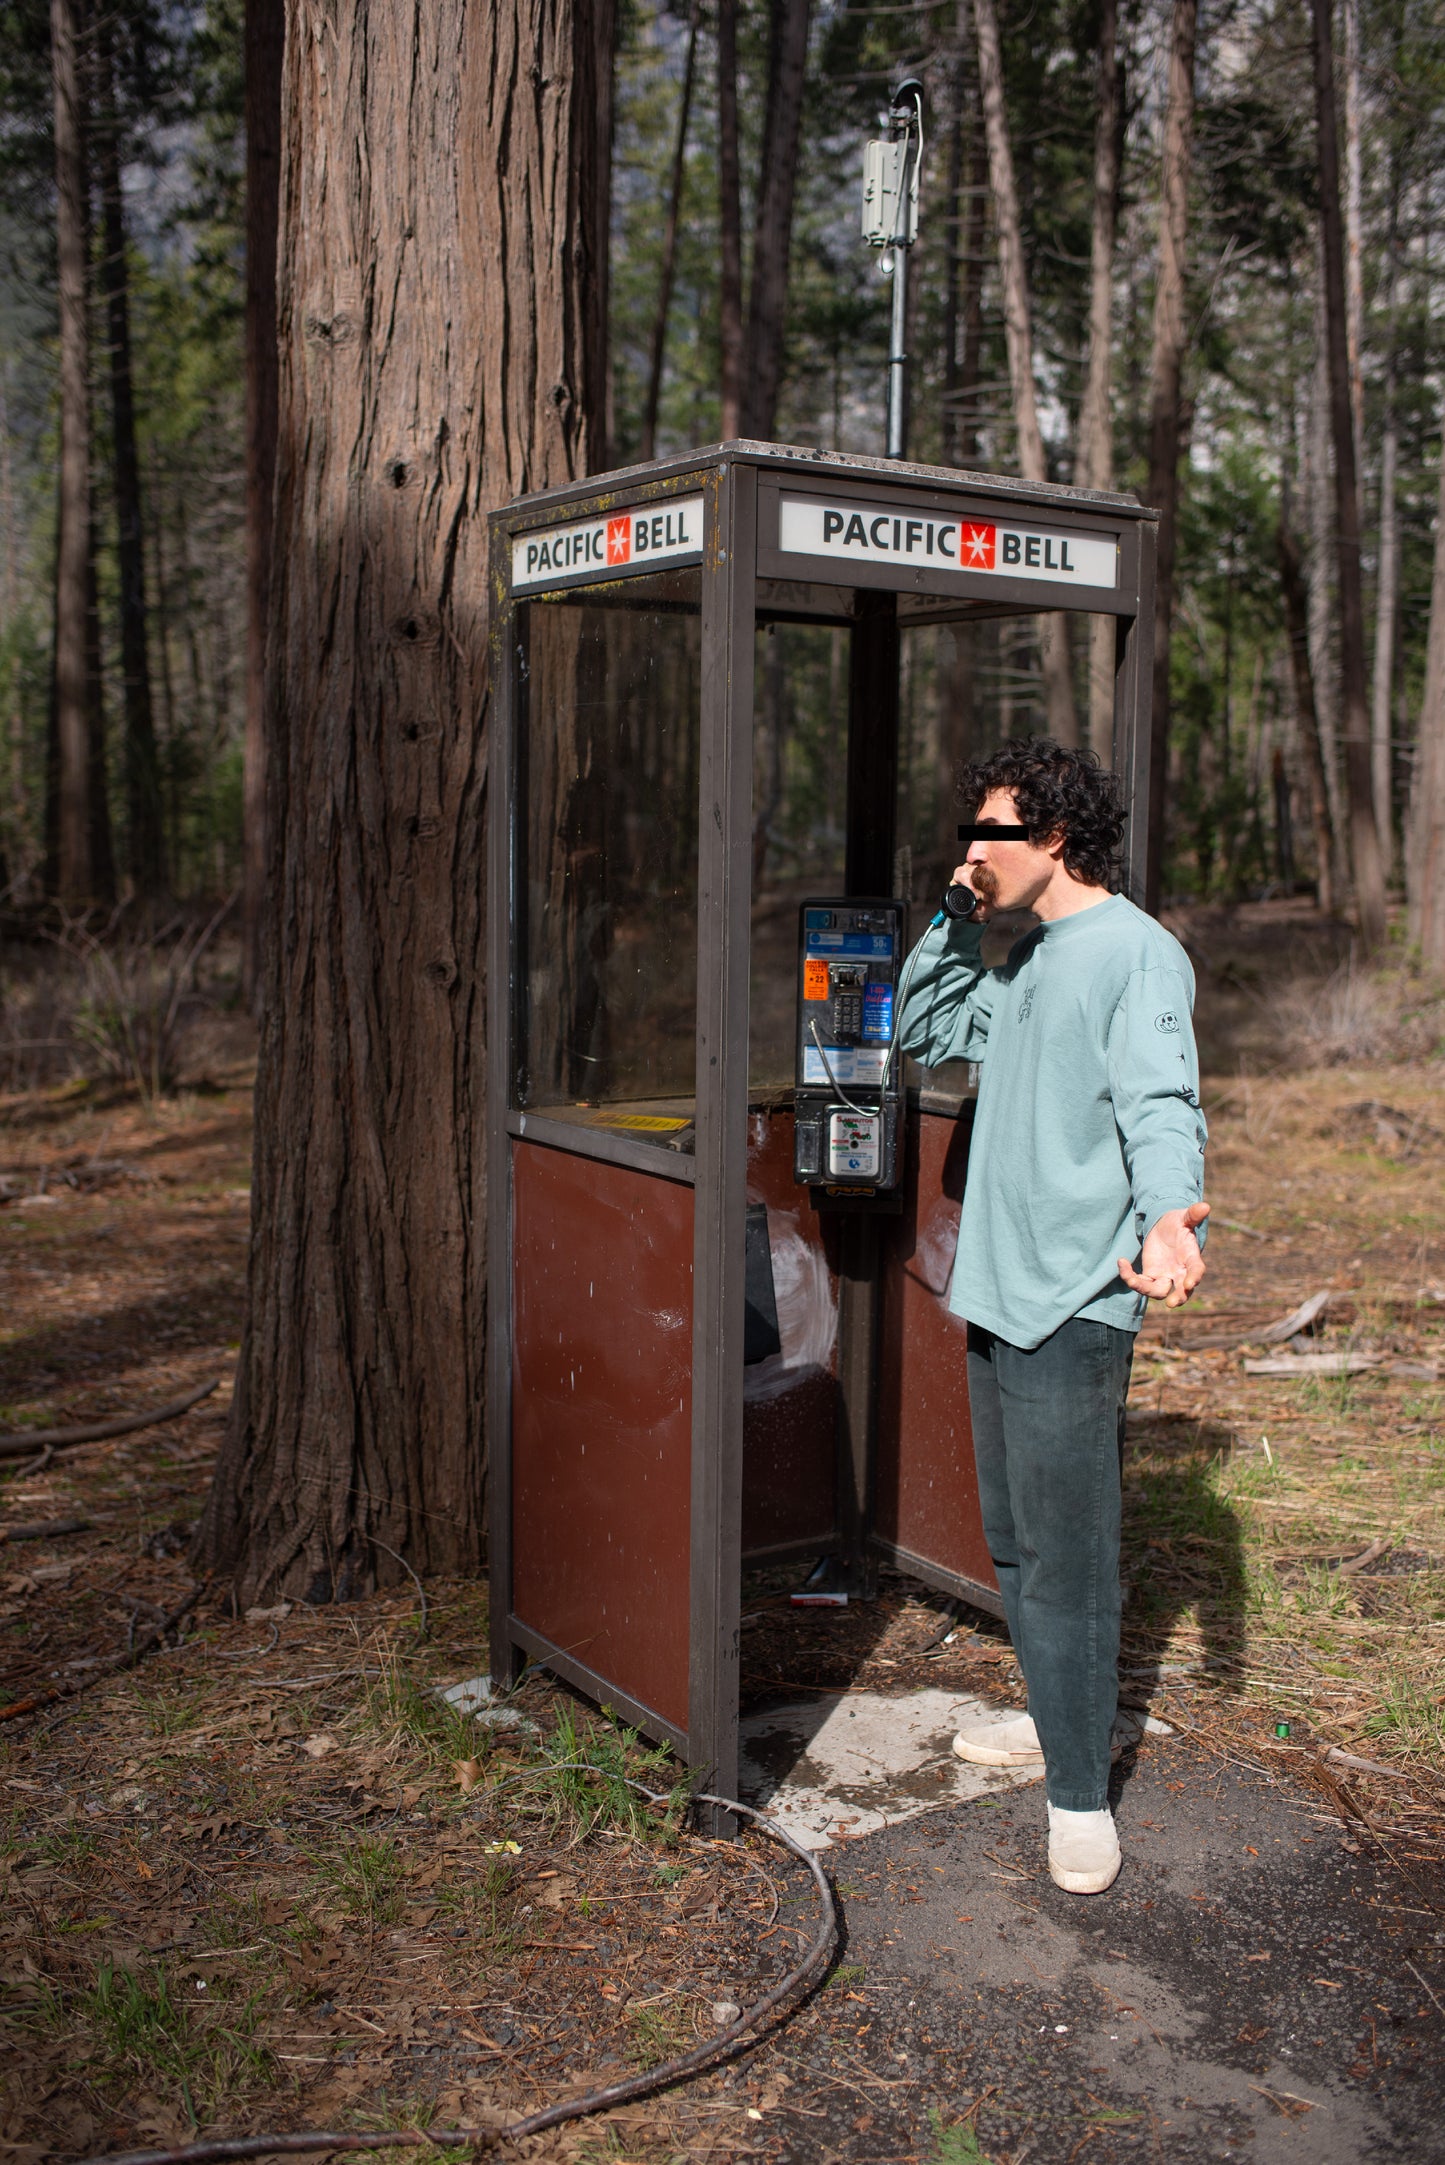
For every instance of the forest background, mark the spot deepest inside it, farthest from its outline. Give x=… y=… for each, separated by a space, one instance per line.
x=1255 y=687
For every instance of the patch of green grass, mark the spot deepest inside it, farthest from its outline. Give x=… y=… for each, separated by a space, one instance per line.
x=170 y=1710
x=848 y=1975
x=660 y=2032
x=367 y=1878
x=954 y=2142
x=1410 y=1718
x=144 y=2036
x=583 y=1778
x=399 y=1706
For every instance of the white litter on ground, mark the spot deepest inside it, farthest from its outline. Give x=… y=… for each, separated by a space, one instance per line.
x=475 y=1696
x=836 y=1767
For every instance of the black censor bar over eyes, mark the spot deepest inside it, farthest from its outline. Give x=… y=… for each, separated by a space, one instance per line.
x=990 y=833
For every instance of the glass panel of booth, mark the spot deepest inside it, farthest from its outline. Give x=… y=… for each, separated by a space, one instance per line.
x=609 y=681
x=968 y=681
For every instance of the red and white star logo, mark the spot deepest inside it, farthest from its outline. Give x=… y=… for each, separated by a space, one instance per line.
x=976 y=554
x=619 y=539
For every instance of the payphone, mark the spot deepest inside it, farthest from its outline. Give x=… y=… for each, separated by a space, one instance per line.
x=847 y=1103
x=719 y=778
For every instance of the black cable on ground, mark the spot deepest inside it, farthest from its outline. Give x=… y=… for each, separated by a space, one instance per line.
x=726 y=2045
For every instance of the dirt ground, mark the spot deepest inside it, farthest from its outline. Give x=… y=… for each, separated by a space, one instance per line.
x=267 y=1879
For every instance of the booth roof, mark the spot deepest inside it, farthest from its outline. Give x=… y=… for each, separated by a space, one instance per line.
x=798 y=458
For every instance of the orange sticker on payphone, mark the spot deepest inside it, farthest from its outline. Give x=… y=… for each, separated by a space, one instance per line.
x=815 y=979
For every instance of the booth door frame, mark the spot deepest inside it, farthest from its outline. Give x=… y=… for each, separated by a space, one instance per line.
x=725 y=781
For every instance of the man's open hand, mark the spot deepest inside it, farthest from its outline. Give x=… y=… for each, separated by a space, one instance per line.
x=1171 y=1265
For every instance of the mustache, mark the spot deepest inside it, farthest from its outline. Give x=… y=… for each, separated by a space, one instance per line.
x=985 y=882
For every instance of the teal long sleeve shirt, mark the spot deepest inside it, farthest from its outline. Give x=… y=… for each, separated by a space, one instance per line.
x=1088 y=1126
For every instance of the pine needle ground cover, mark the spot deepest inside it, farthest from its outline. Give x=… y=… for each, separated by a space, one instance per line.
x=267 y=1879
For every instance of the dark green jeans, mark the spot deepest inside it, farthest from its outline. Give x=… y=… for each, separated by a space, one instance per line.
x=1048 y=1436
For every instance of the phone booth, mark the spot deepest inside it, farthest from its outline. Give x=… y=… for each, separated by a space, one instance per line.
x=730 y=693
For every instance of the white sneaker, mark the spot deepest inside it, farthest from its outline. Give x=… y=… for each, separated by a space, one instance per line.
x=1013 y=1743
x=1083 y=1850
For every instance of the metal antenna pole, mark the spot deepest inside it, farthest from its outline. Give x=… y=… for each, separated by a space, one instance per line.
x=898 y=360
x=905 y=119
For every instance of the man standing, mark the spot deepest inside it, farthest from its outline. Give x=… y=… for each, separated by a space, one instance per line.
x=1085 y=1187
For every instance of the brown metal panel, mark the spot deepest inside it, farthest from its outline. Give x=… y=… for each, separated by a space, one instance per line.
x=790 y=1402
x=602 y=1419
x=926 y=1490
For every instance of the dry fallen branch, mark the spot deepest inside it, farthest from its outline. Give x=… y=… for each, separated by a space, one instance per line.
x=44 y=1530
x=134 y=1654
x=60 y=1439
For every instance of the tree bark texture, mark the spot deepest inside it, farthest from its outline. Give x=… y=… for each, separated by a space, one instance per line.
x=1354 y=221
x=265 y=39
x=1166 y=392
x=74 y=869
x=145 y=829
x=1296 y=617
x=1387 y=603
x=1365 y=864
x=1425 y=852
x=773 y=224
x=1059 y=708
x=1095 y=463
x=442 y=343
x=668 y=270
x=730 y=223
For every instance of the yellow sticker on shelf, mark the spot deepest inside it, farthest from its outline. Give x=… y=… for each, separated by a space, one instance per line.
x=655 y=1121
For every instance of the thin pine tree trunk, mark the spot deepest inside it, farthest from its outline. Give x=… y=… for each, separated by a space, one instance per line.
x=1166 y=397
x=730 y=223
x=1296 y=616
x=1095 y=463
x=773 y=225
x=1365 y=864
x=74 y=867
x=1354 y=219
x=145 y=840
x=1059 y=708
x=1387 y=600
x=1425 y=852
x=668 y=271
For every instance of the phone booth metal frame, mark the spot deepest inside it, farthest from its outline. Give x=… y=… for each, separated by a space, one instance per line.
x=770 y=547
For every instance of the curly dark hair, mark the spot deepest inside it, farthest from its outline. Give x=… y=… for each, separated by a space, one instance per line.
x=1057 y=789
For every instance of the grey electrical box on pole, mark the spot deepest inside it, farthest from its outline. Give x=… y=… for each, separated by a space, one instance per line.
x=890 y=221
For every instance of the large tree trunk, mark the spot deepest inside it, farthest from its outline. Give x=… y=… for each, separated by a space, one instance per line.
x=1094 y=467
x=1059 y=709
x=667 y=273
x=773 y=225
x=1425 y=841
x=442 y=347
x=730 y=223
x=265 y=38
x=1166 y=392
x=74 y=868
x=145 y=837
x=1369 y=877
x=1296 y=617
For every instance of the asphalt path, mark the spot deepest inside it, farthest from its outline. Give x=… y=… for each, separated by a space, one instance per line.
x=1251 y=1987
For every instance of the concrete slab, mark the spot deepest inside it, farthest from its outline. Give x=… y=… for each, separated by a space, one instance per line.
x=838 y=1766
